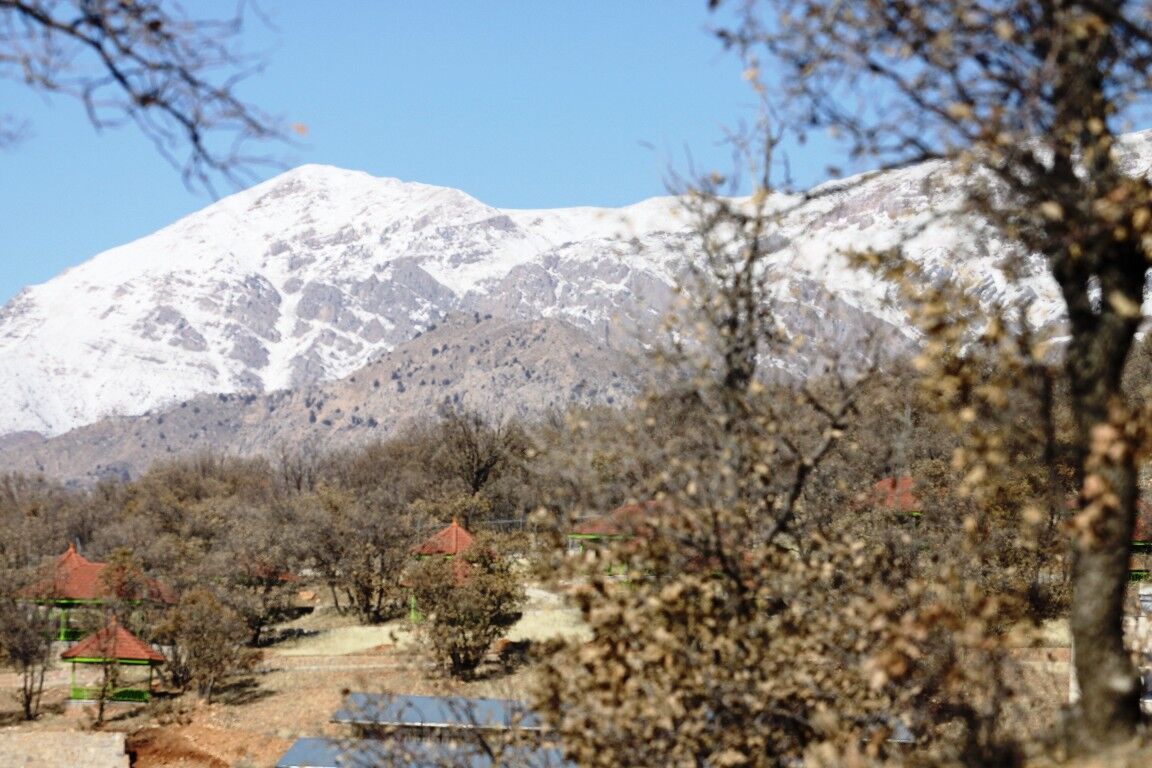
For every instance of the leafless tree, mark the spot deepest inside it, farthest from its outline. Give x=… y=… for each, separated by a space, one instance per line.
x=1027 y=99
x=150 y=63
x=26 y=642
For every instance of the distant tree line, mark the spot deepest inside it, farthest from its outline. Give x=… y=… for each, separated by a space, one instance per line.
x=238 y=538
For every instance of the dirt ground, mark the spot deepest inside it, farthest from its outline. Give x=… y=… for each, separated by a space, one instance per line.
x=300 y=682
x=292 y=694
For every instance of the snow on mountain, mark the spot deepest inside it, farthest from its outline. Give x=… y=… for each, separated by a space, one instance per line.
x=315 y=273
x=303 y=278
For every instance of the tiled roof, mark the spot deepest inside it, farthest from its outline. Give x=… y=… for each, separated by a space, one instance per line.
x=75 y=577
x=450 y=541
x=113 y=642
x=622 y=521
x=896 y=493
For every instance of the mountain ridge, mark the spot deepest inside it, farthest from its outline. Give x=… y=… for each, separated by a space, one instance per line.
x=311 y=276
x=299 y=279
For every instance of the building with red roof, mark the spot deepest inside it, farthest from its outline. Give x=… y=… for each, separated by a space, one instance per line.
x=74 y=581
x=621 y=523
x=1140 y=563
x=113 y=645
x=72 y=577
x=450 y=541
x=897 y=494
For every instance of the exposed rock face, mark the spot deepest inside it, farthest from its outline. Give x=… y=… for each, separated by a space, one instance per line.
x=500 y=368
x=164 y=323
x=312 y=275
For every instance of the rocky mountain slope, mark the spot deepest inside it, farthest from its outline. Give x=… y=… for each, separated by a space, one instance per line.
x=307 y=278
x=303 y=288
x=518 y=368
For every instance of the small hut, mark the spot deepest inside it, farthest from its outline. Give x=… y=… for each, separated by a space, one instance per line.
x=446 y=543
x=620 y=524
x=1140 y=564
x=74 y=581
x=117 y=647
x=897 y=494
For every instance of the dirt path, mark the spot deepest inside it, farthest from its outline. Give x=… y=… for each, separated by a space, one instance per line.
x=292 y=694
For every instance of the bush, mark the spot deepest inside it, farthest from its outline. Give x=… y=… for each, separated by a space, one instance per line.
x=469 y=602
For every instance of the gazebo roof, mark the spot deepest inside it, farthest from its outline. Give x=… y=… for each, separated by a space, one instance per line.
x=75 y=577
x=622 y=521
x=450 y=541
x=113 y=643
x=896 y=493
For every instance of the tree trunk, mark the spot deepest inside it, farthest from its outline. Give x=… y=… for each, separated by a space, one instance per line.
x=1102 y=334
x=1109 y=706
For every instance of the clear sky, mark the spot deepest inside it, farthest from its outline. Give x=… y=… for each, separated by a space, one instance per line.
x=520 y=103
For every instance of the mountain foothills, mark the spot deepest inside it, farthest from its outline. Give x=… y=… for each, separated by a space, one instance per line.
x=332 y=306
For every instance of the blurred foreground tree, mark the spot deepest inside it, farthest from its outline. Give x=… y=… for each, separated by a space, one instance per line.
x=725 y=629
x=147 y=62
x=1027 y=99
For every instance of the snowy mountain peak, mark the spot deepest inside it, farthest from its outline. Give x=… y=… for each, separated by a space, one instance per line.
x=311 y=275
x=301 y=278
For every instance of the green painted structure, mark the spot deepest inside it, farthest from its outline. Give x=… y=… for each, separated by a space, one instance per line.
x=74 y=581
x=113 y=645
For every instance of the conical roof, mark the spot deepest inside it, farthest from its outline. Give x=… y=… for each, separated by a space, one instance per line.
x=113 y=643
x=75 y=577
x=896 y=493
x=450 y=541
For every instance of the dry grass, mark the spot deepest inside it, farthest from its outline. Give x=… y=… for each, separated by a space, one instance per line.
x=293 y=693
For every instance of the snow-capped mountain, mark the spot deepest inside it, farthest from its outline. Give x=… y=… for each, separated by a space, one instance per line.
x=304 y=278
x=312 y=275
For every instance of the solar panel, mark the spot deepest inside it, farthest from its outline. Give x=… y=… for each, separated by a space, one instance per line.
x=455 y=712
x=361 y=753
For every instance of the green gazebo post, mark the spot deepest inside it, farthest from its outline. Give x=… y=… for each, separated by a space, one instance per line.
x=447 y=543
x=113 y=645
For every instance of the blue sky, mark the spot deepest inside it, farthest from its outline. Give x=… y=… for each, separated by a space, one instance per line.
x=520 y=103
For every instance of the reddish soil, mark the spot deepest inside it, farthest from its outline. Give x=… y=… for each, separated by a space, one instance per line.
x=252 y=721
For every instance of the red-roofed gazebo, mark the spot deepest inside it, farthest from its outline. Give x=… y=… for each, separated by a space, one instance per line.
x=450 y=542
x=897 y=494
x=447 y=542
x=74 y=581
x=72 y=578
x=1140 y=563
x=113 y=646
x=621 y=523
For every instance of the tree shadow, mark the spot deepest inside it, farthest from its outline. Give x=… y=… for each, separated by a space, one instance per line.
x=505 y=658
x=245 y=690
x=11 y=717
x=277 y=636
